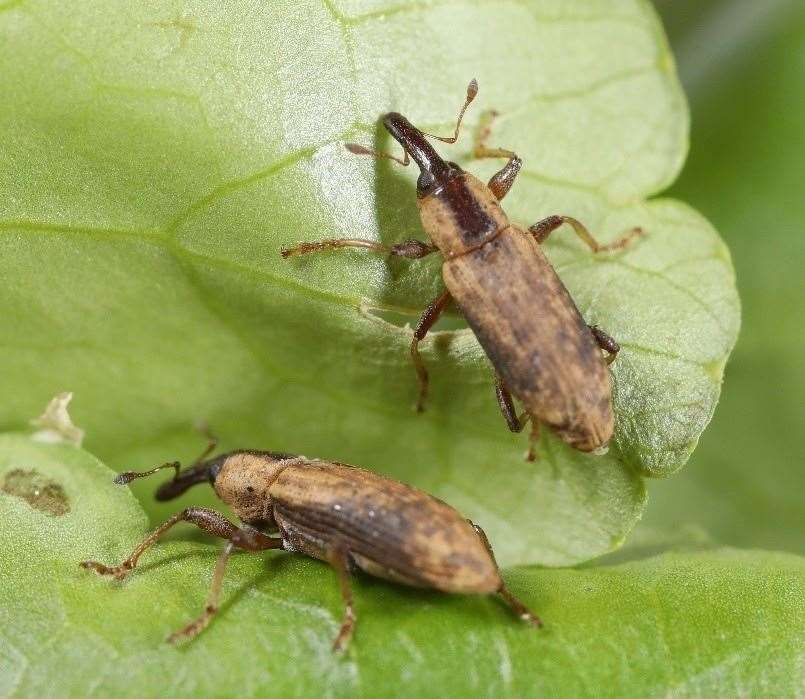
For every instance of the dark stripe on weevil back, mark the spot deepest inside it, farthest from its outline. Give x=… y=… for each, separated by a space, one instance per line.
x=472 y=224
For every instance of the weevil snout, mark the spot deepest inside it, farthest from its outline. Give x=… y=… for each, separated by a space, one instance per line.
x=203 y=472
x=431 y=165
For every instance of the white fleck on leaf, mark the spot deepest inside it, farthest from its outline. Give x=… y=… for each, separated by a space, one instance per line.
x=55 y=424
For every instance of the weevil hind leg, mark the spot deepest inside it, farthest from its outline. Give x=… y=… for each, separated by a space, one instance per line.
x=519 y=608
x=501 y=182
x=338 y=558
x=514 y=422
x=505 y=594
x=542 y=229
x=426 y=322
x=506 y=403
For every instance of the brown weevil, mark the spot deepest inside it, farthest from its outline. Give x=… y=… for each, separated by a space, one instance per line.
x=347 y=516
x=542 y=351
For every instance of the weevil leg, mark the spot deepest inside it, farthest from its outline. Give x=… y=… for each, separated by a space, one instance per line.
x=519 y=608
x=514 y=422
x=212 y=442
x=195 y=627
x=515 y=604
x=606 y=343
x=410 y=249
x=533 y=439
x=501 y=182
x=338 y=558
x=247 y=539
x=426 y=322
x=542 y=229
x=209 y=520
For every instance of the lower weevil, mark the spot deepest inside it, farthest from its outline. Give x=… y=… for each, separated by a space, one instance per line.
x=344 y=515
x=542 y=351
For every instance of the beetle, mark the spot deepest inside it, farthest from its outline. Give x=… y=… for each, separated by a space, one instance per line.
x=344 y=515
x=542 y=351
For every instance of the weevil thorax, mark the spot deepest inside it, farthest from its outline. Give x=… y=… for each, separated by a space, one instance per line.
x=459 y=212
x=244 y=480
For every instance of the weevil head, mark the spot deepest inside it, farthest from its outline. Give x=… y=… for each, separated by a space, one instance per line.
x=243 y=479
x=188 y=477
x=433 y=169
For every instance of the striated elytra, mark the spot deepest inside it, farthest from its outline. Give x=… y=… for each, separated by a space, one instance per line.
x=341 y=514
x=542 y=351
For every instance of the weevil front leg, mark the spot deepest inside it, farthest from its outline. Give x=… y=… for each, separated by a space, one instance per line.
x=542 y=229
x=213 y=523
x=426 y=322
x=514 y=422
x=410 y=249
x=338 y=558
x=501 y=182
x=606 y=343
x=515 y=604
x=209 y=520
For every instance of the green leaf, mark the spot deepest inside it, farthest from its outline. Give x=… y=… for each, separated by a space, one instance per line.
x=154 y=161
x=746 y=480
x=691 y=623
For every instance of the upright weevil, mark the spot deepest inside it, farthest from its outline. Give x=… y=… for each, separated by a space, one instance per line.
x=542 y=351
x=341 y=514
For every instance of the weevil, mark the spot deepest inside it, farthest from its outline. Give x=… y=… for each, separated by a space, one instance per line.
x=542 y=351
x=347 y=516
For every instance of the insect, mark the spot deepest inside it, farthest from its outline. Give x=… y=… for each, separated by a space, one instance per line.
x=344 y=515
x=543 y=352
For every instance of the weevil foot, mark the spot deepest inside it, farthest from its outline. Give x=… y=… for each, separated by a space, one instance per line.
x=533 y=440
x=532 y=620
x=194 y=628
x=623 y=241
x=117 y=572
x=523 y=612
x=341 y=642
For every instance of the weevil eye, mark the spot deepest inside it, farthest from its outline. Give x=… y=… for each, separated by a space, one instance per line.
x=215 y=469
x=424 y=182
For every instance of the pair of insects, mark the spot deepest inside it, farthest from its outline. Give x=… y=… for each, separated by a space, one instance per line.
x=543 y=353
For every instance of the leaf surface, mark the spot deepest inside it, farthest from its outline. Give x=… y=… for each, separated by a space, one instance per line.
x=154 y=160
x=693 y=623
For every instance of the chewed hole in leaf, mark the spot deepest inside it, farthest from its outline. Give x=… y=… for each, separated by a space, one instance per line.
x=39 y=491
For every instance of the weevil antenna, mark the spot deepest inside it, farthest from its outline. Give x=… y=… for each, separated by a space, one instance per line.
x=128 y=476
x=472 y=91
x=198 y=472
x=358 y=149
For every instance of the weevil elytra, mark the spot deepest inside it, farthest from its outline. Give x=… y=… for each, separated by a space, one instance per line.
x=341 y=514
x=543 y=352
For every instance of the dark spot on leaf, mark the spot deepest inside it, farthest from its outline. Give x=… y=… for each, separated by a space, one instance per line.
x=40 y=492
